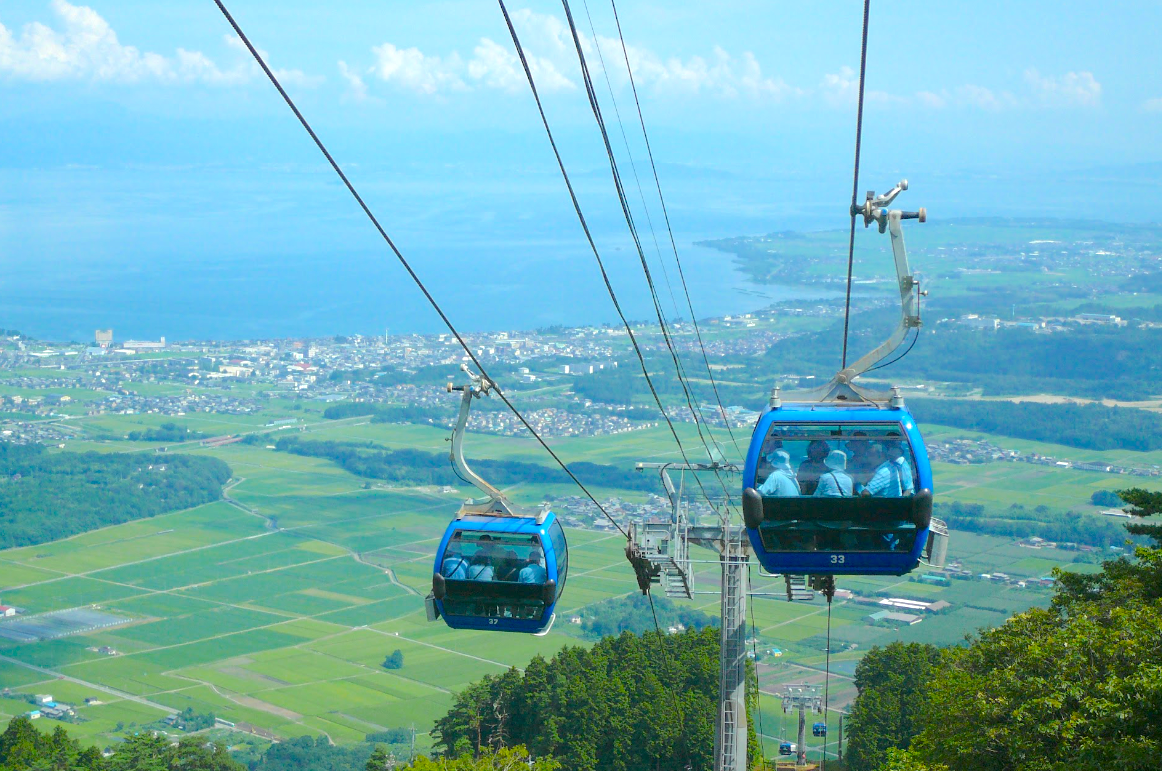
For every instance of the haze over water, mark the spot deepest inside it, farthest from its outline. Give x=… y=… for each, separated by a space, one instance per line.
x=167 y=251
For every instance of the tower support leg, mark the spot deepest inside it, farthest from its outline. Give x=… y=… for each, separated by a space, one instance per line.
x=730 y=738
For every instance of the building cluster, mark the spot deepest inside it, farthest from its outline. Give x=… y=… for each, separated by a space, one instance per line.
x=48 y=707
x=970 y=451
x=1047 y=324
x=553 y=422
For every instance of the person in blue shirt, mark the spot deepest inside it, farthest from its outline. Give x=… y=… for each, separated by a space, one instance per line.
x=781 y=482
x=534 y=570
x=480 y=568
x=835 y=482
x=892 y=478
x=767 y=454
x=455 y=566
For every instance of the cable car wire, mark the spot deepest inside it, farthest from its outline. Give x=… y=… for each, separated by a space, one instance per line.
x=826 y=683
x=679 y=367
x=665 y=662
x=669 y=229
x=911 y=345
x=404 y=262
x=628 y=214
x=638 y=184
x=589 y=237
x=855 y=178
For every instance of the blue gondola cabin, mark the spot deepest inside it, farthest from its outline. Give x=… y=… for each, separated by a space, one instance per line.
x=500 y=573
x=838 y=489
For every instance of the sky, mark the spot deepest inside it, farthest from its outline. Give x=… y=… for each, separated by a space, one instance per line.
x=138 y=131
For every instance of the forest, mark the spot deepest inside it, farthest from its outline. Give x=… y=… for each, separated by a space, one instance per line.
x=1074 y=685
x=1095 y=362
x=627 y=703
x=1085 y=426
x=415 y=467
x=1019 y=521
x=45 y=496
x=24 y=748
x=633 y=614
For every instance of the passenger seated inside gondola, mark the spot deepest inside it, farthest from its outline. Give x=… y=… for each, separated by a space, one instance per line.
x=876 y=462
x=813 y=466
x=863 y=458
x=893 y=476
x=781 y=482
x=534 y=570
x=767 y=456
x=835 y=482
x=480 y=568
x=503 y=562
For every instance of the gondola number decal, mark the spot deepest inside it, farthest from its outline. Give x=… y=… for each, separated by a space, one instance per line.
x=492 y=621
x=837 y=559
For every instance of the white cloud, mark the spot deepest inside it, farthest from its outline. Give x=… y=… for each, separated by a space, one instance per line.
x=494 y=66
x=552 y=57
x=1153 y=105
x=933 y=100
x=412 y=69
x=85 y=47
x=357 y=88
x=841 y=89
x=1071 y=89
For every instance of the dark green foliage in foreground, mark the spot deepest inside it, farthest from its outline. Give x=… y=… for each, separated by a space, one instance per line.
x=1019 y=521
x=504 y=759
x=45 y=496
x=166 y=432
x=628 y=702
x=891 y=684
x=1076 y=685
x=632 y=614
x=23 y=748
x=1087 y=426
x=428 y=468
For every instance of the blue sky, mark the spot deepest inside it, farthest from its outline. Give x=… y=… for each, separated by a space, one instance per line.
x=138 y=137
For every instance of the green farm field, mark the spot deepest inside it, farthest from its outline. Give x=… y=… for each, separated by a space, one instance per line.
x=277 y=606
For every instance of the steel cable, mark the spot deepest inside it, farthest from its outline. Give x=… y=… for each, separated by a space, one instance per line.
x=403 y=261
x=855 y=178
x=589 y=236
x=669 y=229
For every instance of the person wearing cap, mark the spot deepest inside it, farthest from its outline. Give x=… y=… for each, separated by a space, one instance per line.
x=767 y=454
x=781 y=483
x=835 y=482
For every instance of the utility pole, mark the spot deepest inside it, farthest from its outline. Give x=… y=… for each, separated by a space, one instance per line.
x=839 y=746
x=659 y=554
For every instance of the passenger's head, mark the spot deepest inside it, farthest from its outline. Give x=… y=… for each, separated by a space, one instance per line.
x=536 y=556
x=836 y=460
x=893 y=449
x=859 y=446
x=781 y=458
x=817 y=450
